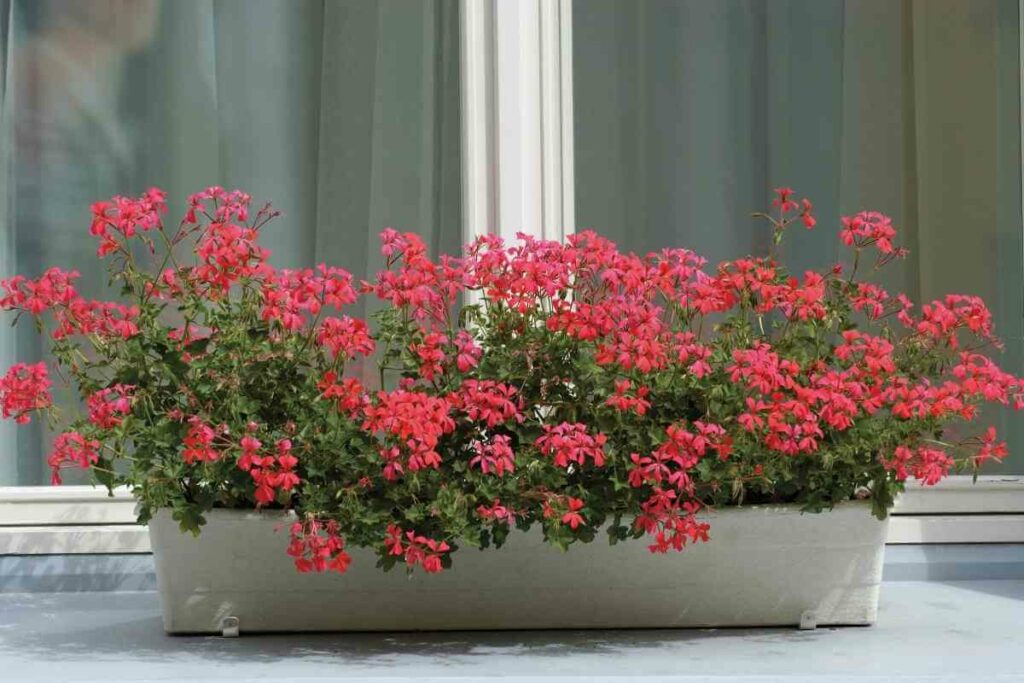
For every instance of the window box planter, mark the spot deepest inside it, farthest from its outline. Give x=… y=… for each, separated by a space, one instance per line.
x=766 y=566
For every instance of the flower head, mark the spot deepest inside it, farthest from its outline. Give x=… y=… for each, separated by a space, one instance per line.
x=74 y=450
x=23 y=389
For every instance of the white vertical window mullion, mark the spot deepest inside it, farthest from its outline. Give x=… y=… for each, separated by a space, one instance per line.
x=518 y=97
x=556 y=117
x=479 y=187
x=565 y=118
x=517 y=118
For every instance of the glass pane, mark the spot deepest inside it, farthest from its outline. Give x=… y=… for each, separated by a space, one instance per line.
x=344 y=114
x=689 y=112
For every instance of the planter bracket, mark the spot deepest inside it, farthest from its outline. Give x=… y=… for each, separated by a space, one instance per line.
x=229 y=627
x=808 y=620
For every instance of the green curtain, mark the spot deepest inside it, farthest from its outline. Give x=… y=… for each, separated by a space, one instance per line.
x=688 y=112
x=344 y=113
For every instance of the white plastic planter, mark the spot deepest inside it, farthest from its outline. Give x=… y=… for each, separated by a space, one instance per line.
x=763 y=566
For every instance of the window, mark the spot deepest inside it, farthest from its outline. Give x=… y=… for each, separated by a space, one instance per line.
x=688 y=112
x=345 y=114
x=353 y=115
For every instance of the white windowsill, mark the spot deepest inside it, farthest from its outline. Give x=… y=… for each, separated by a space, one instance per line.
x=64 y=505
x=39 y=520
x=991 y=494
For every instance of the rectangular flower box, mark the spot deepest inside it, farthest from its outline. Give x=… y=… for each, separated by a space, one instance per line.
x=764 y=566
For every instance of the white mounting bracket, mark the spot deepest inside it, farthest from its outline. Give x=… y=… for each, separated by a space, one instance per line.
x=229 y=627
x=808 y=620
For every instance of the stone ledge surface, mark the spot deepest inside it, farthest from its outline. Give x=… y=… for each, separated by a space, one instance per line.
x=926 y=631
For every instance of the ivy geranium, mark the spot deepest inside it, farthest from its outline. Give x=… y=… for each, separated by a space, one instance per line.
x=570 y=386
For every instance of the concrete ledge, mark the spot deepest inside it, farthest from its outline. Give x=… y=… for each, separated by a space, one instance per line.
x=934 y=632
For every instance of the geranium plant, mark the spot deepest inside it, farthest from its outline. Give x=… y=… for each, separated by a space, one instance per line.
x=569 y=386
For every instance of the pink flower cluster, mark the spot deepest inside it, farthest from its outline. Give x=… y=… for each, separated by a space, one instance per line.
x=104 y=319
x=786 y=204
x=125 y=216
x=316 y=547
x=54 y=292
x=107 y=407
x=23 y=389
x=468 y=353
x=218 y=206
x=272 y=472
x=416 y=549
x=488 y=402
x=941 y=320
x=290 y=296
x=869 y=228
x=199 y=442
x=54 y=288
x=431 y=356
x=429 y=290
x=349 y=392
x=927 y=464
x=519 y=276
x=495 y=457
x=345 y=337
x=637 y=403
x=571 y=443
x=572 y=516
x=227 y=253
x=72 y=449
x=496 y=512
x=671 y=524
x=417 y=421
x=435 y=350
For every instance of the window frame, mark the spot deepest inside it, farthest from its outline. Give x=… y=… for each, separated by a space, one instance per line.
x=73 y=520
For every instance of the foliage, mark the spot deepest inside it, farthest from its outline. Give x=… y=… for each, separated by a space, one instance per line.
x=566 y=385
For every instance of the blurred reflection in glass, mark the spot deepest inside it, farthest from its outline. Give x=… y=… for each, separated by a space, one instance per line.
x=74 y=140
x=75 y=137
x=345 y=114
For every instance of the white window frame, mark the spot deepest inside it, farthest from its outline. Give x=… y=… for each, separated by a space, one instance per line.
x=518 y=176
x=68 y=520
x=72 y=520
x=517 y=118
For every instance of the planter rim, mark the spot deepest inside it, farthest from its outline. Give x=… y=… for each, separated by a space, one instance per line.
x=765 y=508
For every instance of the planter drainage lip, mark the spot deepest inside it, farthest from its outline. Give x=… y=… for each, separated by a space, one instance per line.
x=765 y=565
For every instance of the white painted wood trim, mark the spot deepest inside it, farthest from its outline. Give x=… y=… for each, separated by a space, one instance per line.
x=959 y=494
x=479 y=189
x=517 y=118
x=20 y=494
x=62 y=506
x=956 y=529
x=568 y=98
x=84 y=519
x=69 y=520
x=129 y=538
x=556 y=118
x=116 y=539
